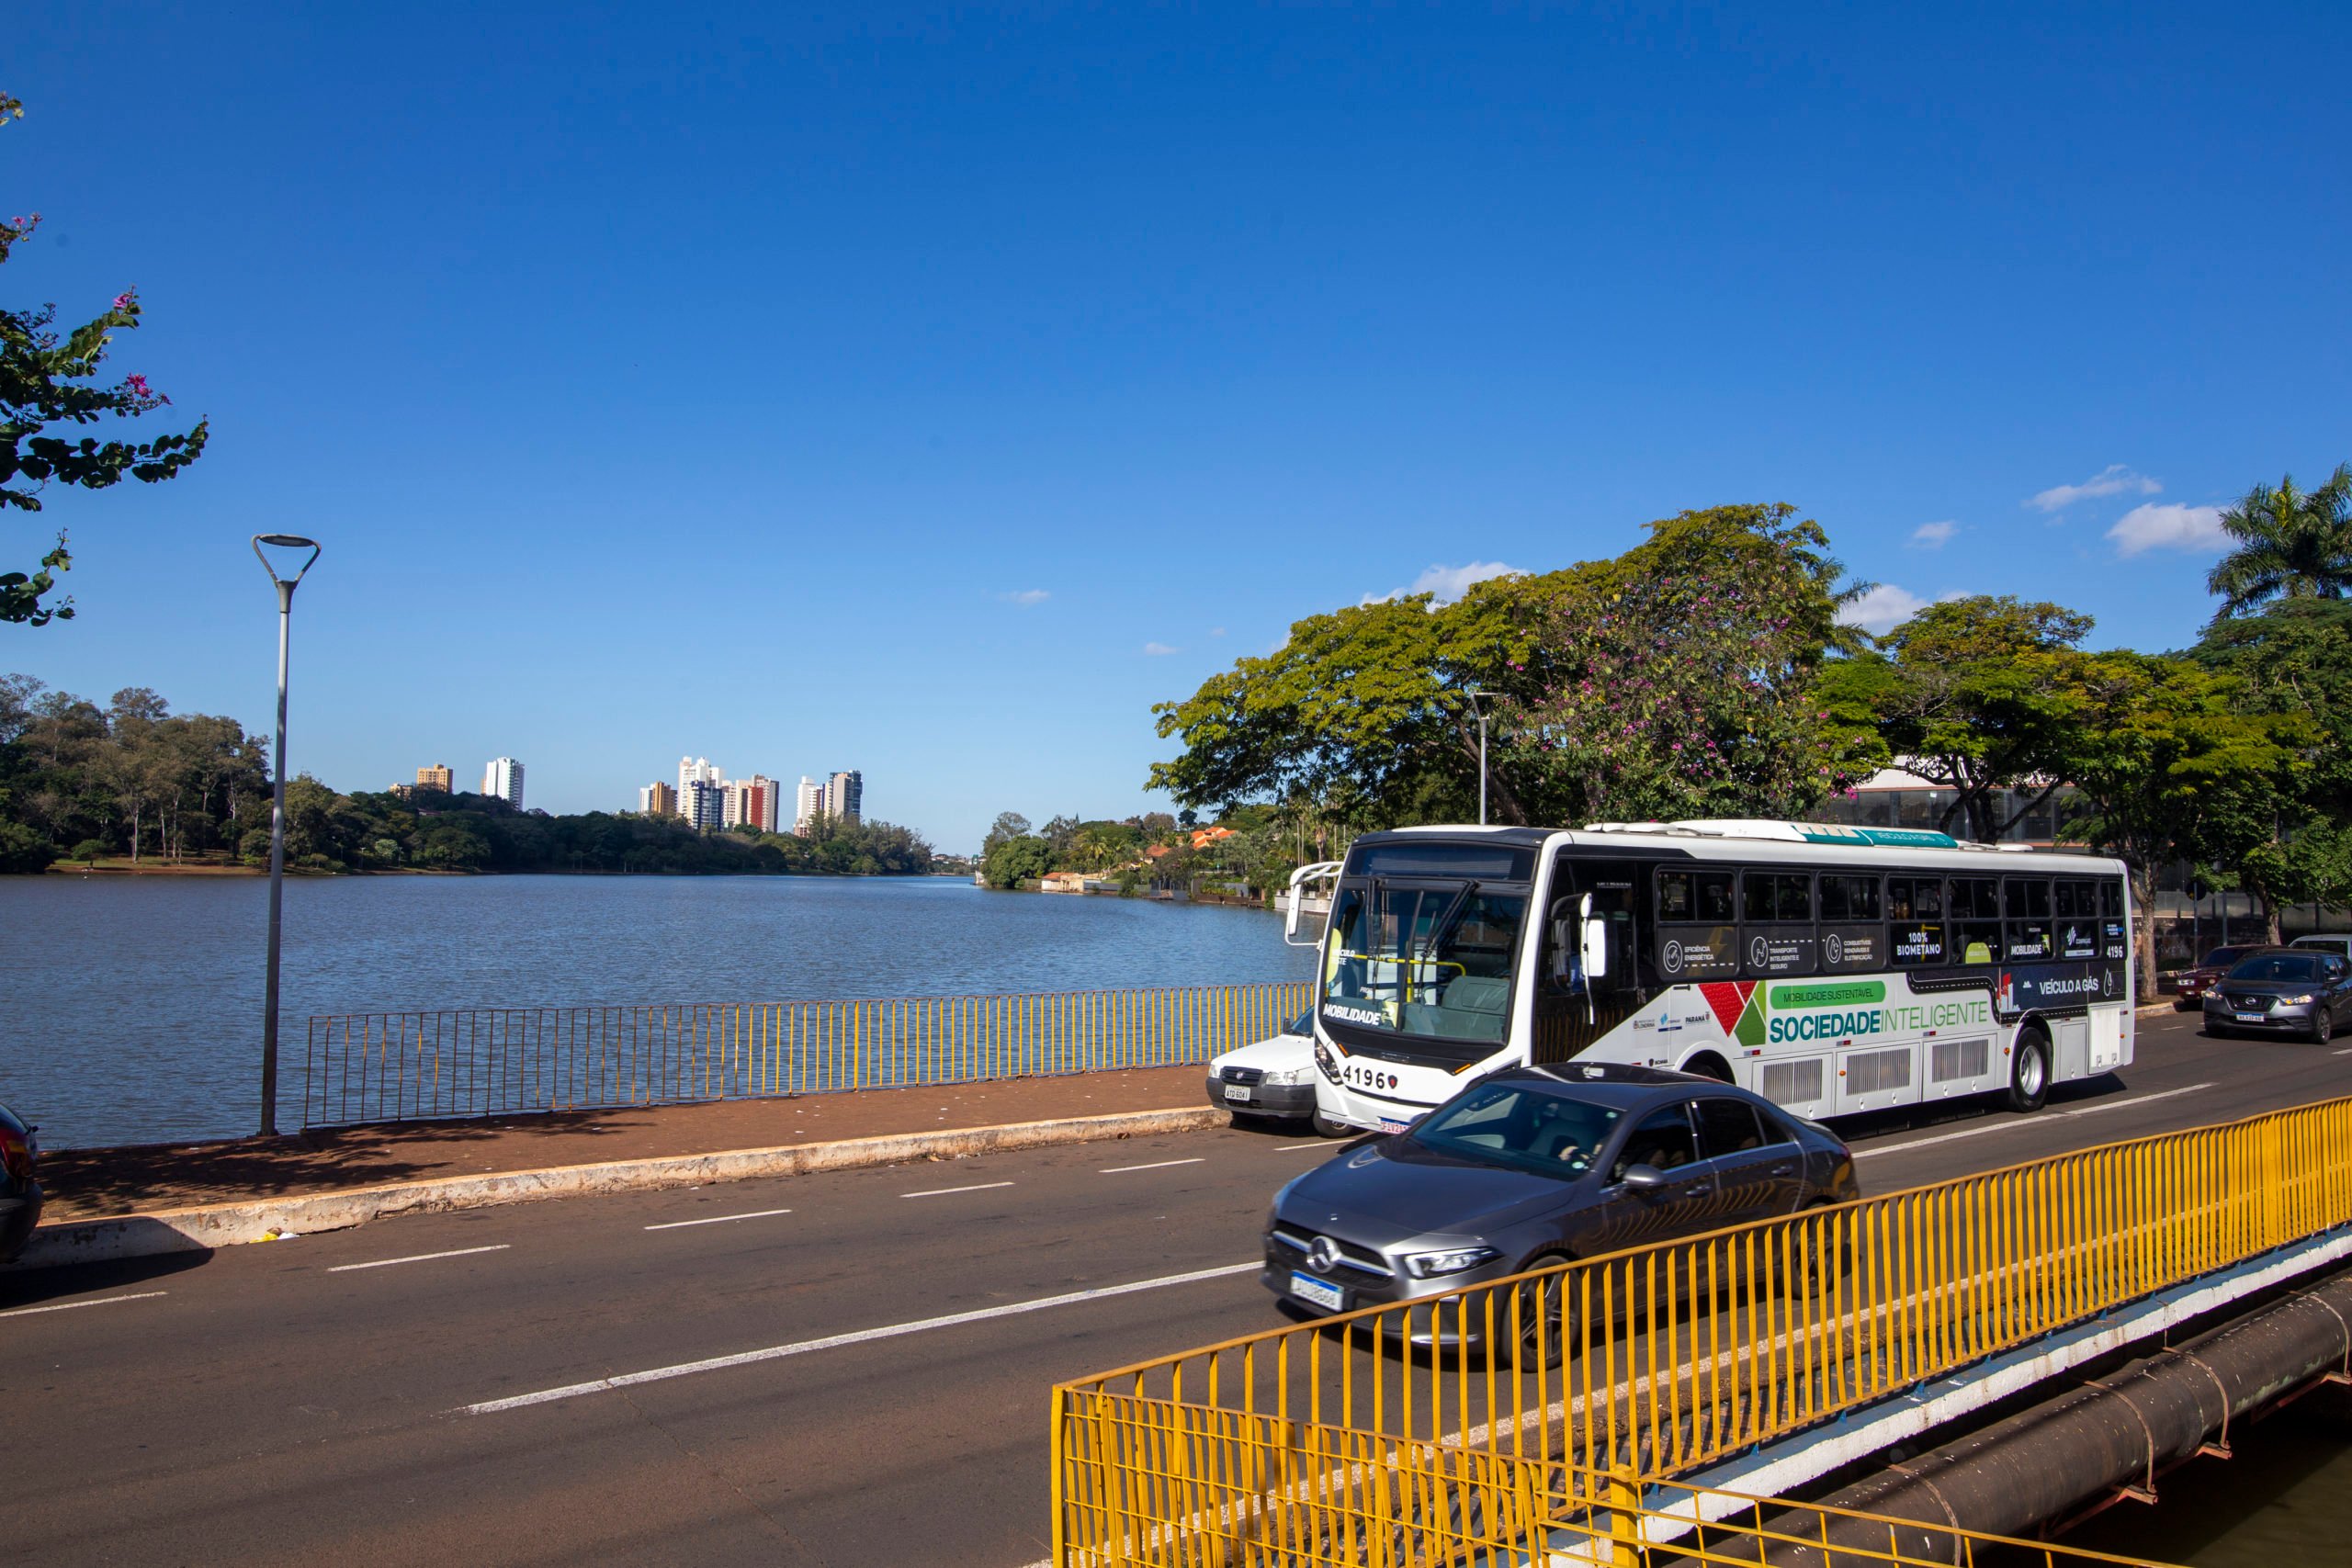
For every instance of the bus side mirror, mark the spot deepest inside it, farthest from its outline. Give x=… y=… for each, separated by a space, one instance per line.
x=1592 y=945
x=1290 y=915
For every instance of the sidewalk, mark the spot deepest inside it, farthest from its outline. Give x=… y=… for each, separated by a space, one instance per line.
x=94 y=1183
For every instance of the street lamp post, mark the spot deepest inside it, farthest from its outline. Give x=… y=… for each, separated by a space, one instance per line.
x=285 y=586
x=1476 y=697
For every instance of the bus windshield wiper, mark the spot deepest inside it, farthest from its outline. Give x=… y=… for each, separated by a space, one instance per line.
x=1443 y=924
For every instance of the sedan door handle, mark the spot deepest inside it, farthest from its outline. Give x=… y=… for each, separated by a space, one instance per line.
x=1784 y=1170
x=1700 y=1191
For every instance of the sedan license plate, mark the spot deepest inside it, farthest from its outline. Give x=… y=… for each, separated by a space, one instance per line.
x=2251 y=1017
x=1308 y=1288
x=1236 y=1091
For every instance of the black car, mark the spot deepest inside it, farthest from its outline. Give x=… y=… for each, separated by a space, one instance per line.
x=2282 y=990
x=20 y=1195
x=1534 y=1164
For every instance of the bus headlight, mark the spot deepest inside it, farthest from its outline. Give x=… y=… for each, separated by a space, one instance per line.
x=1327 y=1061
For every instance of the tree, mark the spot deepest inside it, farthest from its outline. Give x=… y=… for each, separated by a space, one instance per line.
x=46 y=381
x=1008 y=825
x=1681 y=679
x=2291 y=544
x=2288 y=839
x=1977 y=694
x=2162 y=749
x=1010 y=862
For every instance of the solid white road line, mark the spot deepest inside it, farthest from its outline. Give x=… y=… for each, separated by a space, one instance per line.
x=97 y=1302
x=1293 y=1148
x=2006 y=1125
x=944 y=1191
x=420 y=1257
x=2345 y=1052
x=719 y=1219
x=1155 y=1165
x=834 y=1341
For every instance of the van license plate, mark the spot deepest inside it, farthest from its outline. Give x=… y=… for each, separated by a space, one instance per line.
x=1308 y=1288
x=1236 y=1091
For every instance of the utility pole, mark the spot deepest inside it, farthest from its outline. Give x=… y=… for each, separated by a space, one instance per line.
x=285 y=586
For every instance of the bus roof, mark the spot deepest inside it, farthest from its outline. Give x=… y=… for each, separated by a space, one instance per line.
x=1729 y=837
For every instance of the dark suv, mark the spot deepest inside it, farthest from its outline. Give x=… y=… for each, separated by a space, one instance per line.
x=19 y=1186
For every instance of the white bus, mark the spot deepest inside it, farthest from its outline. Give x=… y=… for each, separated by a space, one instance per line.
x=1834 y=970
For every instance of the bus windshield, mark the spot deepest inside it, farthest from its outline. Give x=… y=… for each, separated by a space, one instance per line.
x=1430 y=959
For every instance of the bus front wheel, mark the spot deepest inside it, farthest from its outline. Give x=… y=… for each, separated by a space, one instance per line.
x=1707 y=1065
x=2030 y=1071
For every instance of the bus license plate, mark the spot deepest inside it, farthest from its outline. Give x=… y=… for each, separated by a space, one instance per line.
x=1236 y=1091
x=1306 y=1288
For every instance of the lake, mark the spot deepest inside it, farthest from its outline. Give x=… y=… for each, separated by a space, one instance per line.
x=130 y=1008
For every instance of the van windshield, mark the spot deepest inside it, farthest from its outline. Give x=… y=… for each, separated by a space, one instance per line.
x=1430 y=959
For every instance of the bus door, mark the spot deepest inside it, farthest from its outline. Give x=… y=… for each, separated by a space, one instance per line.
x=1573 y=1008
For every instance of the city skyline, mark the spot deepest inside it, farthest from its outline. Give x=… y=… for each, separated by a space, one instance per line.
x=706 y=797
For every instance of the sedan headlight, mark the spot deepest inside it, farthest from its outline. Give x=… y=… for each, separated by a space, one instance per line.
x=1300 y=1073
x=1430 y=1265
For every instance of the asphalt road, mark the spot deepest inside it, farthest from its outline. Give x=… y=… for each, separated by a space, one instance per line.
x=315 y=1400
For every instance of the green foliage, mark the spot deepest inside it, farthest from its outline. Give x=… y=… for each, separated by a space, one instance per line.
x=23 y=850
x=47 y=380
x=2290 y=544
x=1612 y=679
x=1681 y=680
x=1981 y=694
x=2165 y=755
x=1009 y=861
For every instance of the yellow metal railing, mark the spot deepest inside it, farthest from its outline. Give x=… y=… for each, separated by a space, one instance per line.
x=1655 y=1362
x=1209 y=1488
x=496 y=1061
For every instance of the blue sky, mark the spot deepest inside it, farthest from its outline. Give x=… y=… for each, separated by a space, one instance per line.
x=930 y=391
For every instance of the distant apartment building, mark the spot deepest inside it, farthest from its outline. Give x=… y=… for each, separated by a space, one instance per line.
x=658 y=800
x=810 y=805
x=752 y=803
x=437 y=776
x=845 y=797
x=703 y=802
x=504 y=778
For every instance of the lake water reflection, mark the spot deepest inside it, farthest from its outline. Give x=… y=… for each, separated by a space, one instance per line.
x=131 y=1009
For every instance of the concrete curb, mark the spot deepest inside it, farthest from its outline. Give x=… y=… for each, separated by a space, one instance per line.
x=202 y=1228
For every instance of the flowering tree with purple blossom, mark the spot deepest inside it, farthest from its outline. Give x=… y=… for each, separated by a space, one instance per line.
x=1682 y=679
x=48 y=379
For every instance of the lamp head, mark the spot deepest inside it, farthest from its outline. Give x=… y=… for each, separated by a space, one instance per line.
x=289 y=542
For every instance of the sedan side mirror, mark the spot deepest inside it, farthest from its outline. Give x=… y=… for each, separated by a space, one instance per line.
x=1642 y=1179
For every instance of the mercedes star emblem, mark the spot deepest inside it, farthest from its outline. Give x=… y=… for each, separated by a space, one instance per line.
x=1323 y=1255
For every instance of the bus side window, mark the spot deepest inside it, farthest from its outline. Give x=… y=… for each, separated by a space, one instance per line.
x=1975 y=905
x=1915 y=912
x=2026 y=902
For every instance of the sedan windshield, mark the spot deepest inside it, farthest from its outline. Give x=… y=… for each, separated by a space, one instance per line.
x=1433 y=961
x=2295 y=968
x=1522 y=1126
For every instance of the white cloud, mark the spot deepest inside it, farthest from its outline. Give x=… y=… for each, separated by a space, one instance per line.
x=1217 y=631
x=1158 y=648
x=1026 y=597
x=2113 y=479
x=1885 y=606
x=2168 y=527
x=1447 y=583
x=1933 y=535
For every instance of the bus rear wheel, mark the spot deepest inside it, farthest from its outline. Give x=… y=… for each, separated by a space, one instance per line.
x=1707 y=1065
x=2029 y=1070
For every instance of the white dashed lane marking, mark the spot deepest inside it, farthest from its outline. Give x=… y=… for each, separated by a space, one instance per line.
x=944 y=1191
x=718 y=1219
x=419 y=1257
x=94 y=1301
x=1155 y=1165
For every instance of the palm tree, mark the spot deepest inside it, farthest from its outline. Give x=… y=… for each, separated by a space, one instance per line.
x=2291 y=544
